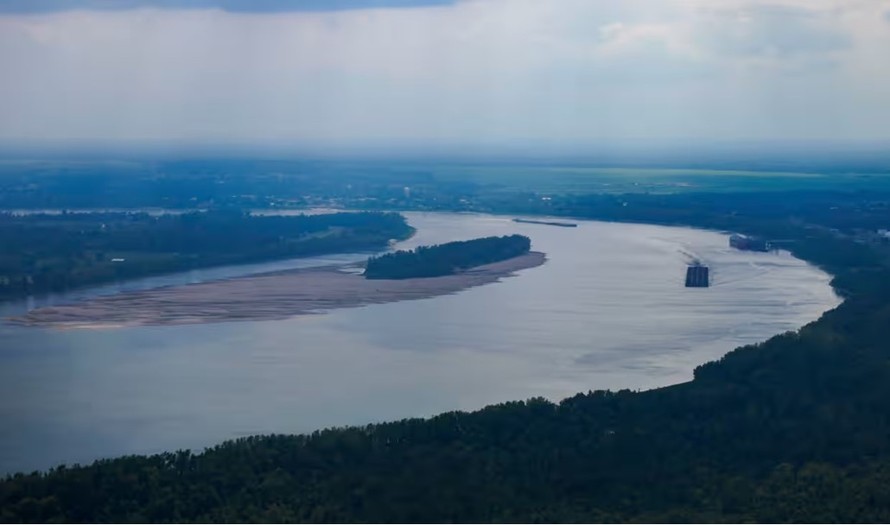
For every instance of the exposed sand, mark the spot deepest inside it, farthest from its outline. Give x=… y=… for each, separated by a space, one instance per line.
x=268 y=296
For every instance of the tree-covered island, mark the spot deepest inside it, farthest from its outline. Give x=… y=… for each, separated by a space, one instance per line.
x=446 y=259
x=54 y=252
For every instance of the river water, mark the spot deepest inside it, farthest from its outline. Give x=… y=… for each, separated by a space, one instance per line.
x=607 y=310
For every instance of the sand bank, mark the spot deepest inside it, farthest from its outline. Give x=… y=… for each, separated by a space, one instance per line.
x=277 y=295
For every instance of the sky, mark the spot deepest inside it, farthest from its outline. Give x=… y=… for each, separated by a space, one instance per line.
x=444 y=71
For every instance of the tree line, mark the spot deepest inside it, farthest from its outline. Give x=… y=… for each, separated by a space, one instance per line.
x=55 y=252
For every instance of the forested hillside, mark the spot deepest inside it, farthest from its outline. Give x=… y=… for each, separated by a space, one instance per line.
x=795 y=429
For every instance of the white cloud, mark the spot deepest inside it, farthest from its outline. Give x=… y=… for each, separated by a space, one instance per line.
x=479 y=70
x=775 y=31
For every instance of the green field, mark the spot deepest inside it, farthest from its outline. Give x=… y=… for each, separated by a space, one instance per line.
x=578 y=180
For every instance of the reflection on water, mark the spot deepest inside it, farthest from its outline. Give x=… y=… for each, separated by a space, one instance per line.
x=608 y=310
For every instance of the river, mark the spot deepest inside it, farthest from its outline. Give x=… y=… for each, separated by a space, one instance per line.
x=607 y=310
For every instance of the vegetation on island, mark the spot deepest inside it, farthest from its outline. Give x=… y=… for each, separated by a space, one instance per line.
x=446 y=259
x=55 y=252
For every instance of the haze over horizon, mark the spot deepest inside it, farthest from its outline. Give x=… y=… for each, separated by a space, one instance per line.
x=385 y=72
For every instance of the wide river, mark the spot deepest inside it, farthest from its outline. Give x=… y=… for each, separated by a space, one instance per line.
x=607 y=310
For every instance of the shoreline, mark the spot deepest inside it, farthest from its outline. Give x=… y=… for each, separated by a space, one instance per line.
x=263 y=297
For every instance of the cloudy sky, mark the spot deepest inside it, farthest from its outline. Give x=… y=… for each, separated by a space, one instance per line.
x=459 y=71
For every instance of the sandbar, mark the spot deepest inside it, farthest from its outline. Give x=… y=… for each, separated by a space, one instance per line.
x=267 y=296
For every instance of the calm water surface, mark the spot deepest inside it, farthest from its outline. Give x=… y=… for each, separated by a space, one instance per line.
x=608 y=310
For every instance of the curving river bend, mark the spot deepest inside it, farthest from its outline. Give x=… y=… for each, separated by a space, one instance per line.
x=607 y=310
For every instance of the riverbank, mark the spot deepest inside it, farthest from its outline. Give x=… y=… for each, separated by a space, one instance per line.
x=263 y=297
x=69 y=251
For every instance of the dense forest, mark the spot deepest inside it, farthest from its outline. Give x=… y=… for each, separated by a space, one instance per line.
x=794 y=429
x=445 y=259
x=54 y=252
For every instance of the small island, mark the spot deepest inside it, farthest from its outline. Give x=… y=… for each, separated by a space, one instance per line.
x=446 y=259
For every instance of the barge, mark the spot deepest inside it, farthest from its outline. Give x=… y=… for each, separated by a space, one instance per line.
x=697 y=276
x=547 y=223
x=751 y=244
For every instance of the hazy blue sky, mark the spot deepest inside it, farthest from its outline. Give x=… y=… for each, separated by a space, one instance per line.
x=344 y=71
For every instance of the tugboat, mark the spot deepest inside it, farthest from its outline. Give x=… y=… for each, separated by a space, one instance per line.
x=751 y=244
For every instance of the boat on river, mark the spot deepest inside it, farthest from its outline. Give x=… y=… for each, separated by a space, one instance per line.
x=547 y=223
